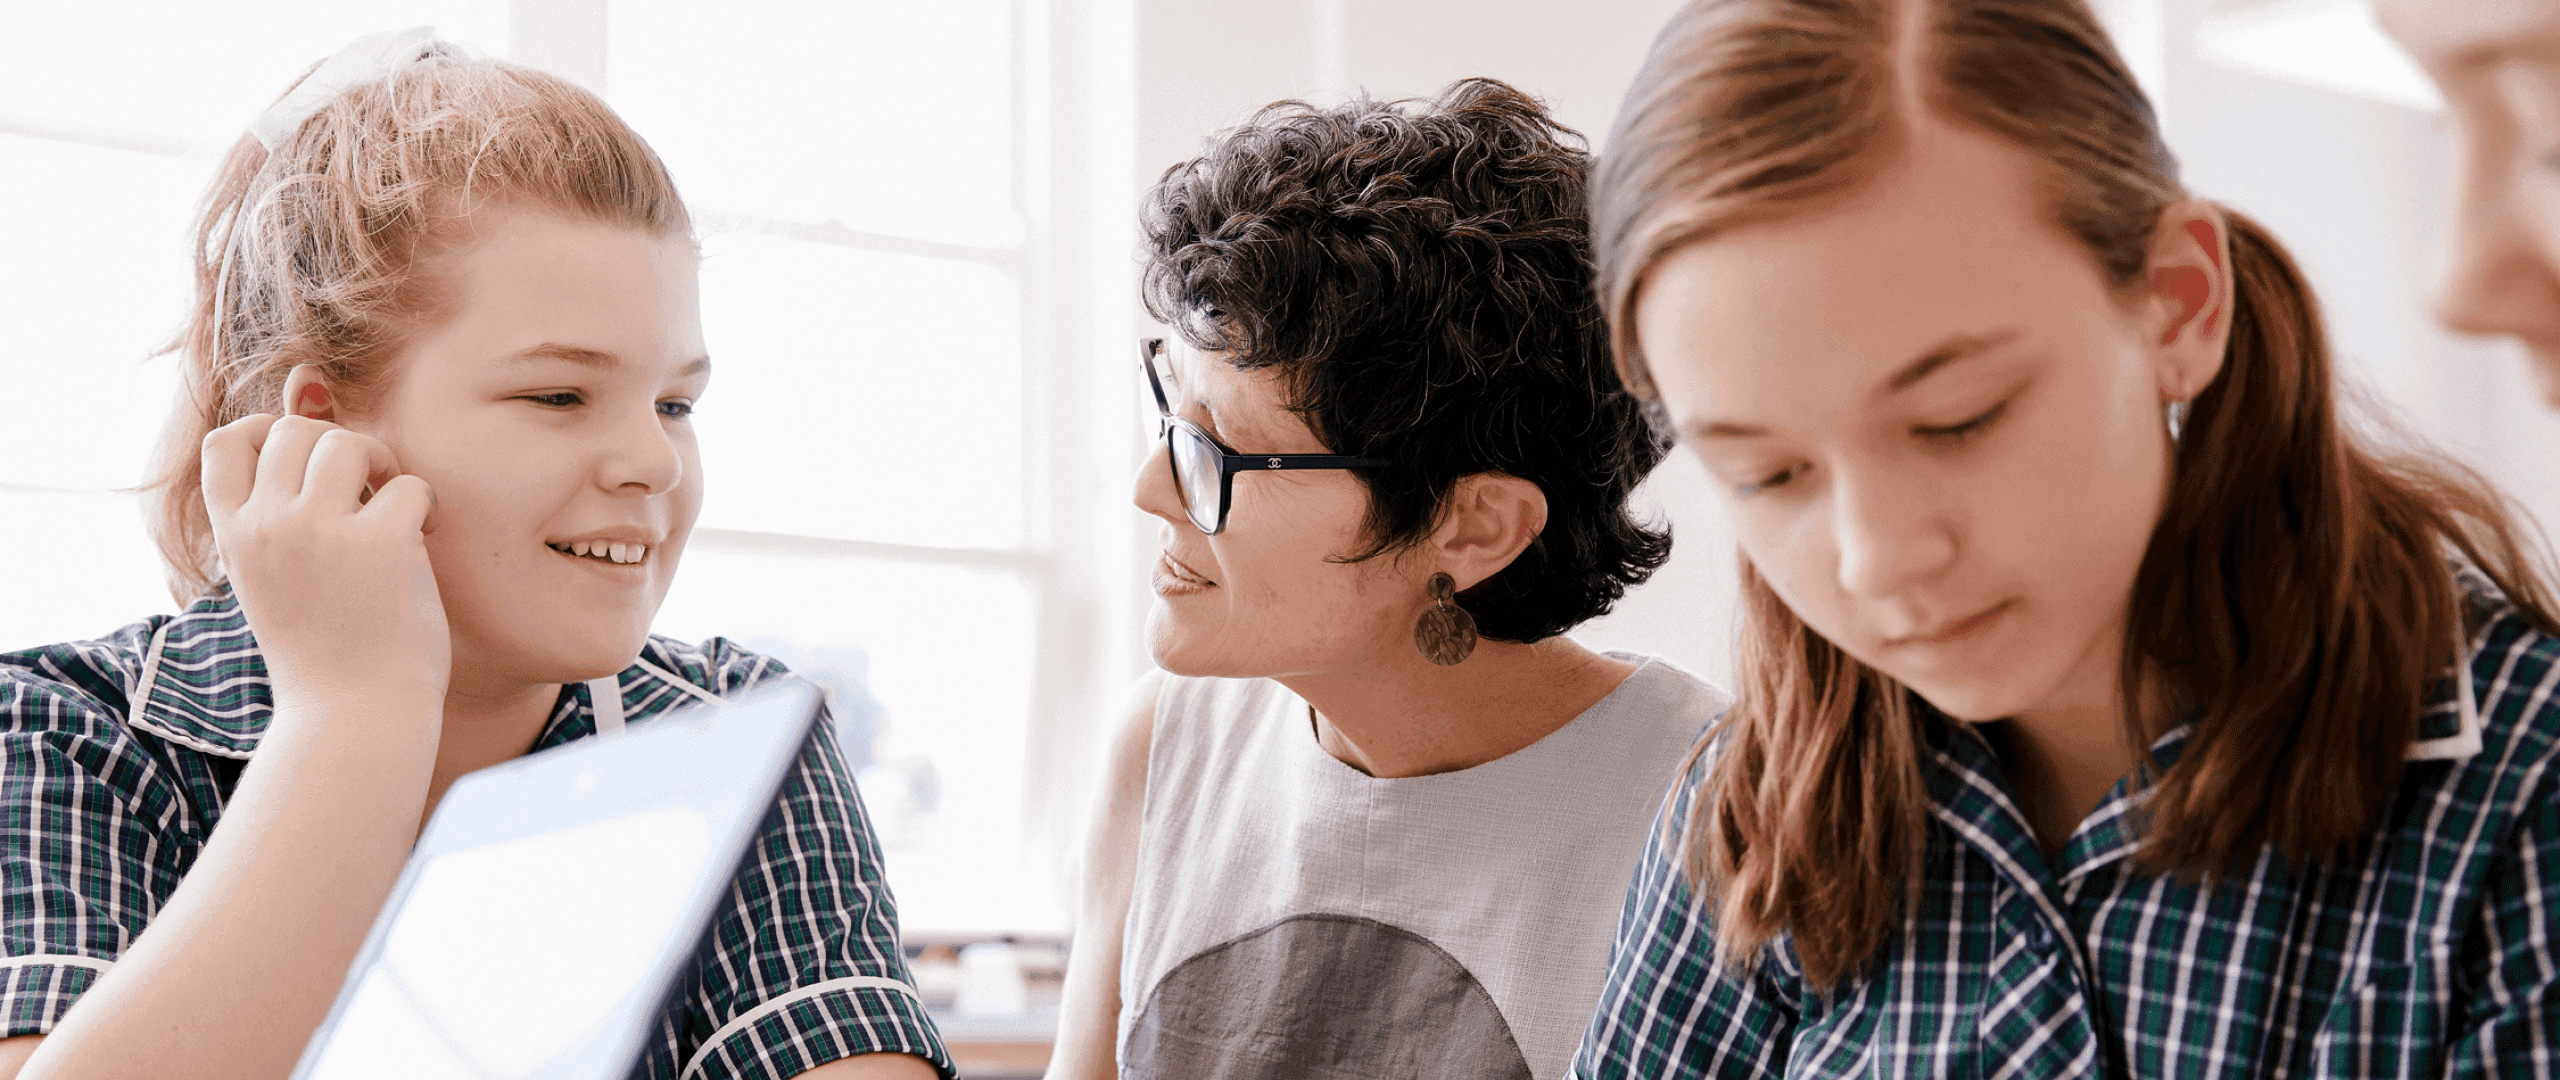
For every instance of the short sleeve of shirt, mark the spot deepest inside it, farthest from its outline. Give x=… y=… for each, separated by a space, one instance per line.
x=802 y=964
x=91 y=844
x=1669 y=1007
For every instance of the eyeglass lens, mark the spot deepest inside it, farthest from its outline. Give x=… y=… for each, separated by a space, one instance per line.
x=1195 y=474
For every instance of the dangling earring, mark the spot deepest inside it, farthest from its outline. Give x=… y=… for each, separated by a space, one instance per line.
x=1445 y=633
x=2177 y=421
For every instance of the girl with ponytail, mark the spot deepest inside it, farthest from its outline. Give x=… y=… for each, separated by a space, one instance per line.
x=429 y=479
x=2108 y=703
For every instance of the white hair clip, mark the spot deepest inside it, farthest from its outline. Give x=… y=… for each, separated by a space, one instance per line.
x=363 y=60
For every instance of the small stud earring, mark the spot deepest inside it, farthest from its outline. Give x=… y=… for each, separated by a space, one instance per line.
x=1445 y=633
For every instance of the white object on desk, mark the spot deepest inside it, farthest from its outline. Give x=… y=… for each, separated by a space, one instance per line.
x=991 y=982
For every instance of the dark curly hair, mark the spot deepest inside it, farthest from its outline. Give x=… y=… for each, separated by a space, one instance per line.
x=1419 y=271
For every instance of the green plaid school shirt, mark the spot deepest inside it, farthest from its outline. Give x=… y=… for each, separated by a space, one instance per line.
x=105 y=804
x=2428 y=952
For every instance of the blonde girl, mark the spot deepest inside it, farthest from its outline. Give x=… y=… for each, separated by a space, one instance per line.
x=431 y=477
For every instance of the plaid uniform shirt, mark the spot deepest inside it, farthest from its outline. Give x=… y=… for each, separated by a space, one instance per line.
x=105 y=804
x=2426 y=952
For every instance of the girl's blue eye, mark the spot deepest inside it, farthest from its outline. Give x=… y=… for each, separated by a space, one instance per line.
x=564 y=399
x=675 y=410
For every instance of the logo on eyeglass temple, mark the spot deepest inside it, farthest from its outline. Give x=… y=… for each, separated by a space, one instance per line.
x=1275 y=463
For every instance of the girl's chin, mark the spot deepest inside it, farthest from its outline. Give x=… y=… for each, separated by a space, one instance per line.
x=1973 y=703
x=559 y=654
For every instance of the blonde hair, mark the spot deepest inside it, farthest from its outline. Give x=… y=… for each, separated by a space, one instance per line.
x=310 y=252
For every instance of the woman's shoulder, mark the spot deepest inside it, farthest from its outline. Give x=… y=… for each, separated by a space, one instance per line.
x=1673 y=696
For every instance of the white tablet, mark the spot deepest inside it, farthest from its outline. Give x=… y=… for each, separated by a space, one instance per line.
x=553 y=901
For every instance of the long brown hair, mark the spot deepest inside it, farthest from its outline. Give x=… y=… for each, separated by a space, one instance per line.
x=308 y=253
x=2295 y=597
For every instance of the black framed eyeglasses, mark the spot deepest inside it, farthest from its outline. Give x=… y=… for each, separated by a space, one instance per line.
x=1204 y=469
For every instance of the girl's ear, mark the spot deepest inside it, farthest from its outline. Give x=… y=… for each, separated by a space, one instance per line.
x=1490 y=520
x=307 y=394
x=2187 y=317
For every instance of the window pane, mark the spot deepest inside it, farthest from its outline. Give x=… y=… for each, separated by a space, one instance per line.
x=105 y=282
x=79 y=567
x=860 y=395
x=191 y=69
x=887 y=116
x=937 y=734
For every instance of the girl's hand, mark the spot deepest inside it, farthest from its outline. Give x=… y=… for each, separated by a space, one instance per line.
x=337 y=589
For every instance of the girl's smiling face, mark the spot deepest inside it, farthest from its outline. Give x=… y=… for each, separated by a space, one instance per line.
x=548 y=404
x=1939 y=432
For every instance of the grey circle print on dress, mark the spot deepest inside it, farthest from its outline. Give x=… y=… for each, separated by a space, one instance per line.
x=1322 y=997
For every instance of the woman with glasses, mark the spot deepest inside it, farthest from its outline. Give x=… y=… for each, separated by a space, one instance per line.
x=1376 y=814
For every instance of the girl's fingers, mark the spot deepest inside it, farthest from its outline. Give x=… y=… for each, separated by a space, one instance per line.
x=401 y=502
x=230 y=462
x=342 y=463
x=287 y=455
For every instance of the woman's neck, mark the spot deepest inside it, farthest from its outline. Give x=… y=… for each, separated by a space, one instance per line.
x=1404 y=716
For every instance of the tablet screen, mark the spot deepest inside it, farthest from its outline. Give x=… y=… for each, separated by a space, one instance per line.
x=508 y=958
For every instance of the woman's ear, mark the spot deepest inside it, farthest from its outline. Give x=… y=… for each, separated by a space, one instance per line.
x=2187 y=316
x=307 y=394
x=1490 y=519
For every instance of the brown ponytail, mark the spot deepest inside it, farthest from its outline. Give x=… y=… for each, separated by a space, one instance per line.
x=2295 y=596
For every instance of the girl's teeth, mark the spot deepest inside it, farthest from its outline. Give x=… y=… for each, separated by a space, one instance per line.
x=594 y=549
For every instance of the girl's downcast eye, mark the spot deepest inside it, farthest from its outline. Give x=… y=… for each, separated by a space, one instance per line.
x=1773 y=481
x=1958 y=432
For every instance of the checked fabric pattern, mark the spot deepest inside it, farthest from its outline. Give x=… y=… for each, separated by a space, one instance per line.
x=104 y=806
x=2427 y=953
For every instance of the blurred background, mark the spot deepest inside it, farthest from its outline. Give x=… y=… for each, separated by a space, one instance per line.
x=918 y=223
